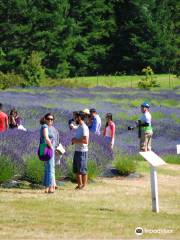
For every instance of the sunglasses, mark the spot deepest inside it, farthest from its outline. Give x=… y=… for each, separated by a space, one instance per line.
x=50 y=119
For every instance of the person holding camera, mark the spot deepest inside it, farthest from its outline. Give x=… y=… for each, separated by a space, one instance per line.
x=80 y=159
x=109 y=130
x=145 y=128
x=71 y=122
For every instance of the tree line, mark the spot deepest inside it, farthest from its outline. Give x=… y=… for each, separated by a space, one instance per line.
x=88 y=37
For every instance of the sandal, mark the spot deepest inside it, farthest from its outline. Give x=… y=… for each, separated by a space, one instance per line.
x=78 y=187
x=51 y=192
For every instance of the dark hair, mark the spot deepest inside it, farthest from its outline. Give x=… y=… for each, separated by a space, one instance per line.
x=75 y=113
x=109 y=116
x=92 y=110
x=1 y=106
x=47 y=115
x=13 y=111
x=43 y=119
x=81 y=115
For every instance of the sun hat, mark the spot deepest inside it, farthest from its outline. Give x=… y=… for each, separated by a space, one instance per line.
x=86 y=111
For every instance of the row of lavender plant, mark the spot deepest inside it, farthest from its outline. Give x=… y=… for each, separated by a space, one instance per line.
x=123 y=103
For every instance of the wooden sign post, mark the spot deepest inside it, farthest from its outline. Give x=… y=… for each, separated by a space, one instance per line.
x=154 y=160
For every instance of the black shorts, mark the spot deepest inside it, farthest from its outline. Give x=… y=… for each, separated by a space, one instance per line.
x=80 y=162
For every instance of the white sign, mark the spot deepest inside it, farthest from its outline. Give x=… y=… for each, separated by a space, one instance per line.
x=178 y=149
x=152 y=158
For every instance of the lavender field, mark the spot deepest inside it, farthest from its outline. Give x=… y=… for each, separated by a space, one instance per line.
x=111 y=208
x=33 y=103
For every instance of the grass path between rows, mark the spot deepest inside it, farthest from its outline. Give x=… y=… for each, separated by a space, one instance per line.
x=110 y=208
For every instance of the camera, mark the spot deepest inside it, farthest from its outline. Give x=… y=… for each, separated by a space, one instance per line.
x=72 y=124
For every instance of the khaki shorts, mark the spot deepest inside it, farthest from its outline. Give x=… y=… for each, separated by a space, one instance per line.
x=146 y=141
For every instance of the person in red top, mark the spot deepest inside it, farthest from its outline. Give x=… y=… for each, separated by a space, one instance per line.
x=3 y=120
x=109 y=130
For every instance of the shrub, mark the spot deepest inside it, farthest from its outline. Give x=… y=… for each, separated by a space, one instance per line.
x=34 y=169
x=125 y=164
x=148 y=81
x=175 y=159
x=8 y=170
x=58 y=172
x=10 y=79
x=70 y=173
x=93 y=170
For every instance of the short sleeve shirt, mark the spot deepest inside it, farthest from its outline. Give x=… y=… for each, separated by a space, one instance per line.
x=52 y=134
x=82 y=131
x=96 y=125
x=3 y=120
x=146 y=118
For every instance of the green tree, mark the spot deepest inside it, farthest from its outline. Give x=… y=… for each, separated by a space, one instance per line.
x=32 y=70
x=53 y=35
x=42 y=26
x=83 y=37
x=94 y=25
x=174 y=57
x=144 y=36
x=15 y=27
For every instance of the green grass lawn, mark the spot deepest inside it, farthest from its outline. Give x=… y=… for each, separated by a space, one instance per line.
x=110 y=208
x=165 y=81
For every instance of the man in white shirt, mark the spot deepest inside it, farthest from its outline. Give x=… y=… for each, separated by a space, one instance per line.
x=145 y=128
x=81 y=151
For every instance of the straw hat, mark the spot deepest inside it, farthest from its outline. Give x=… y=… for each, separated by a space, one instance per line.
x=86 y=111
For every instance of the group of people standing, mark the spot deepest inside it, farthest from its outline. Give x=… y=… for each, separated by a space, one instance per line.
x=83 y=123
x=94 y=124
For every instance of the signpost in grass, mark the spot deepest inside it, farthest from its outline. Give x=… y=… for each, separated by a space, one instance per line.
x=178 y=149
x=154 y=161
